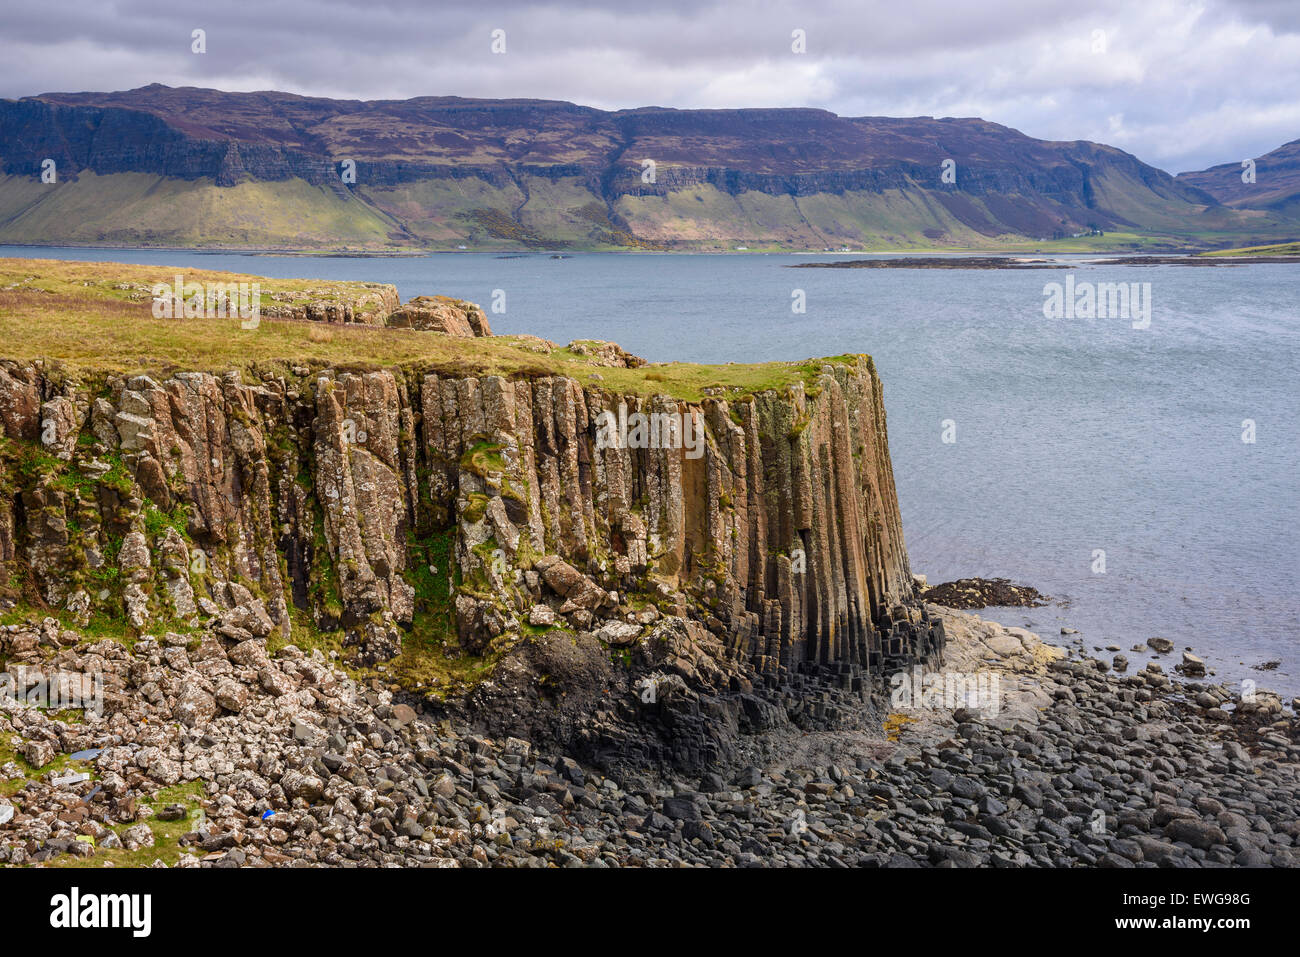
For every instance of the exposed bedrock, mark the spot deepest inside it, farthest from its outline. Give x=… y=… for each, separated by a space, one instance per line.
x=754 y=578
x=453 y=317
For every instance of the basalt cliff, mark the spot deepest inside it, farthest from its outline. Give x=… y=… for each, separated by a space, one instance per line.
x=469 y=542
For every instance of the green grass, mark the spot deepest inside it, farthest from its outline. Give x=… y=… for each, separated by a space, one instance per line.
x=1279 y=249
x=74 y=314
x=167 y=834
x=145 y=209
x=129 y=284
x=156 y=521
x=483 y=458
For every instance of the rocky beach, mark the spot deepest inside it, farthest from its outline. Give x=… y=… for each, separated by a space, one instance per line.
x=283 y=760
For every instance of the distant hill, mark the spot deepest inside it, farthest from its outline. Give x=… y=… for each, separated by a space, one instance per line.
x=189 y=166
x=1276 y=188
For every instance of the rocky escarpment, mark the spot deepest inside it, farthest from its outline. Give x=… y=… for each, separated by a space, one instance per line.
x=419 y=518
x=279 y=136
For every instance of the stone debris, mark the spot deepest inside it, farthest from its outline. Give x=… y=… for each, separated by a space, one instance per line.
x=1076 y=767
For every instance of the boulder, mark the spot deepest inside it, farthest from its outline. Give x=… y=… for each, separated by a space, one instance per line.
x=579 y=591
x=231 y=695
x=609 y=354
x=195 y=707
x=452 y=317
x=134 y=838
x=541 y=616
x=618 y=633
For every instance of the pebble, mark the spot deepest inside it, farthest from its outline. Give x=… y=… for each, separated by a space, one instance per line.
x=1106 y=770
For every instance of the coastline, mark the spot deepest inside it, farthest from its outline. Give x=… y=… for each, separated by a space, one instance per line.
x=1008 y=262
x=927 y=252
x=1078 y=767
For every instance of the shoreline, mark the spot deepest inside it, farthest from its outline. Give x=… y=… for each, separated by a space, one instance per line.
x=1008 y=262
x=1078 y=767
x=920 y=254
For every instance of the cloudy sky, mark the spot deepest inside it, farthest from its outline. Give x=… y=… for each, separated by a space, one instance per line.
x=1183 y=84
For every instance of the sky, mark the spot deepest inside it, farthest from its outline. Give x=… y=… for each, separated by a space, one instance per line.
x=1182 y=84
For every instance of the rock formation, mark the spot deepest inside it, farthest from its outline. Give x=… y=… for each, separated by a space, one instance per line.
x=372 y=308
x=454 y=317
x=403 y=506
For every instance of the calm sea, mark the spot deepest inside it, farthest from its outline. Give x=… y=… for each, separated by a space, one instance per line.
x=1072 y=436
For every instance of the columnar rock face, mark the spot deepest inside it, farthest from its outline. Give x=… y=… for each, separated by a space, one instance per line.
x=771 y=524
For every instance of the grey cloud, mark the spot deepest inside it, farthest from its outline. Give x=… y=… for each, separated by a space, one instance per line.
x=1183 y=85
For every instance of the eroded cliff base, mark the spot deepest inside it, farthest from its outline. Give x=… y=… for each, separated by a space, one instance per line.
x=679 y=701
x=282 y=759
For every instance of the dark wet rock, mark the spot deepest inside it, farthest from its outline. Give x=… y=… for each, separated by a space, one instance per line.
x=984 y=593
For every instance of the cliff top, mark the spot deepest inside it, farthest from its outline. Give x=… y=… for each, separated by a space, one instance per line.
x=88 y=317
x=446 y=130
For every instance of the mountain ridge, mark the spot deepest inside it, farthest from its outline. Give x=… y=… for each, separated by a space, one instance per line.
x=1275 y=185
x=438 y=172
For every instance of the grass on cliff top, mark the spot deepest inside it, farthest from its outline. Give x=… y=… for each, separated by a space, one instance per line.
x=94 y=317
x=113 y=283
